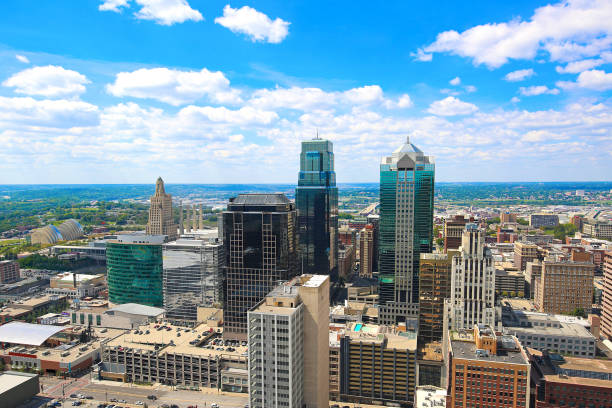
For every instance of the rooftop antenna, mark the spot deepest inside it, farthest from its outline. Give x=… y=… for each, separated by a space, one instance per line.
x=317 y=138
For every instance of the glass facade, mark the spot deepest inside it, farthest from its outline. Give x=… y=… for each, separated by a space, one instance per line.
x=134 y=273
x=316 y=199
x=406 y=229
x=260 y=247
x=192 y=277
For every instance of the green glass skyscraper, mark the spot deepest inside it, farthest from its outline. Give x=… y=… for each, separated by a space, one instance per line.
x=134 y=267
x=316 y=201
x=406 y=230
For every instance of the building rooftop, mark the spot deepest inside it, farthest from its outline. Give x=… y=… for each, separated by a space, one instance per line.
x=136 y=309
x=68 y=277
x=11 y=379
x=261 y=199
x=27 y=333
x=463 y=346
x=378 y=334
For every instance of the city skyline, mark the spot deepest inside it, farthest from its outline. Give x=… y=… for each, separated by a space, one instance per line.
x=81 y=104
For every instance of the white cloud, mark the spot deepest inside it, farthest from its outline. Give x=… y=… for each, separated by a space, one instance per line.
x=470 y=88
x=164 y=12
x=519 y=75
x=50 y=81
x=24 y=112
x=579 y=66
x=173 y=86
x=455 y=81
x=112 y=5
x=542 y=136
x=595 y=79
x=22 y=58
x=404 y=101
x=568 y=30
x=537 y=90
x=364 y=95
x=244 y=116
x=515 y=99
x=451 y=106
x=253 y=23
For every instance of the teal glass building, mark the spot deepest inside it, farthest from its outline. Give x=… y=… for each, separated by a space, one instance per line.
x=316 y=201
x=406 y=230
x=134 y=265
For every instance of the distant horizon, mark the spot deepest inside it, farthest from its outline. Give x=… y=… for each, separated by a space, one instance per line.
x=292 y=184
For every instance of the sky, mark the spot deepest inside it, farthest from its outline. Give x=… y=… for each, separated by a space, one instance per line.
x=206 y=91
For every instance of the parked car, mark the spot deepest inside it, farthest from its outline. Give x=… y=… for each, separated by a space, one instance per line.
x=151 y=397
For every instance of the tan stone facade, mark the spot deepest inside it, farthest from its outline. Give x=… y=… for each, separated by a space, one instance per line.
x=564 y=287
x=161 y=221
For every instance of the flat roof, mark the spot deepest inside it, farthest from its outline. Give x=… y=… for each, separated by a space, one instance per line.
x=281 y=310
x=27 y=333
x=11 y=379
x=135 y=308
x=466 y=350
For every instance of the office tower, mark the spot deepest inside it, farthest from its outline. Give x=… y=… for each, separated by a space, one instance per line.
x=181 y=220
x=161 y=219
x=606 y=308
x=347 y=235
x=453 y=229
x=316 y=201
x=260 y=247
x=374 y=221
x=289 y=345
x=543 y=220
x=377 y=365
x=134 y=269
x=192 y=277
x=486 y=370
x=472 y=282
x=406 y=229
x=507 y=217
x=9 y=271
x=524 y=252
x=366 y=251
x=346 y=261
x=565 y=287
x=434 y=287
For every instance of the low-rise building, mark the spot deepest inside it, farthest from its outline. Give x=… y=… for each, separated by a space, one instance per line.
x=76 y=286
x=378 y=365
x=16 y=388
x=543 y=220
x=595 y=228
x=428 y=396
x=486 y=369
x=509 y=281
x=125 y=316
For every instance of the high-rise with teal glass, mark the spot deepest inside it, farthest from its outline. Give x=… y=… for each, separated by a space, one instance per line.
x=406 y=230
x=316 y=201
x=134 y=265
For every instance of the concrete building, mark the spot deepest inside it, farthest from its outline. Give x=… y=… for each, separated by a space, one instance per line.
x=289 y=345
x=533 y=273
x=434 y=287
x=366 y=251
x=76 y=286
x=428 y=396
x=543 y=220
x=347 y=235
x=472 y=299
x=9 y=271
x=346 y=260
x=378 y=365
x=486 y=369
x=260 y=246
x=453 y=229
x=135 y=269
x=553 y=333
x=406 y=229
x=176 y=355
x=125 y=316
x=193 y=276
x=606 y=301
x=595 y=228
x=509 y=281
x=524 y=252
x=571 y=382
x=16 y=388
x=507 y=217
x=564 y=287
x=161 y=218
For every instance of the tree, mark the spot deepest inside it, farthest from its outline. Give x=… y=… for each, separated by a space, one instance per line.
x=578 y=312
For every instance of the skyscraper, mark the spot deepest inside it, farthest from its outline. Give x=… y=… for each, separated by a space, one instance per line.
x=406 y=229
x=161 y=220
x=472 y=282
x=134 y=269
x=192 y=277
x=260 y=247
x=366 y=251
x=316 y=200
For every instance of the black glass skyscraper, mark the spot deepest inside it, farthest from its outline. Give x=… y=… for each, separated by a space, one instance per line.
x=260 y=245
x=316 y=199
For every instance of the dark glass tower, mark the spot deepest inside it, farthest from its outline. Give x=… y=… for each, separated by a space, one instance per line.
x=260 y=246
x=406 y=230
x=316 y=199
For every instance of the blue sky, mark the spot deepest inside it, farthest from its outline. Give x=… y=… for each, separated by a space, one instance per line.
x=121 y=91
